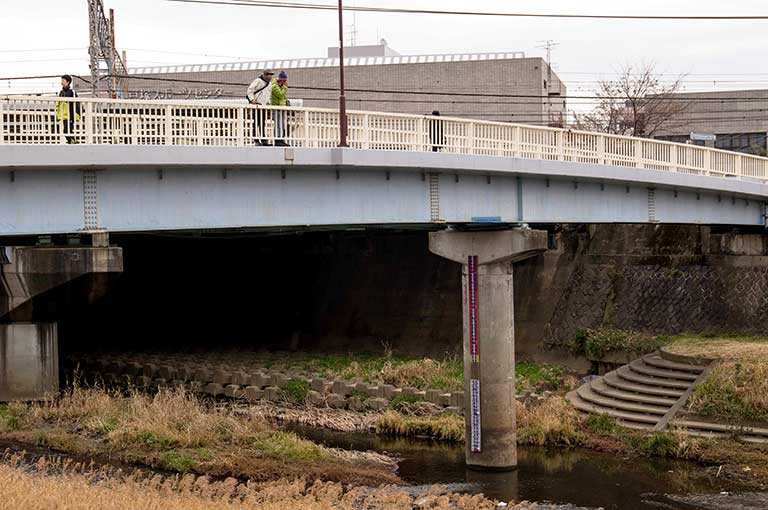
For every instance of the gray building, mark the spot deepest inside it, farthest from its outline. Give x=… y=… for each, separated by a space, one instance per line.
x=738 y=119
x=504 y=87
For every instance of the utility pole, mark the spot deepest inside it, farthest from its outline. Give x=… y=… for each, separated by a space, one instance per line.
x=549 y=45
x=106 y=64
x=343 y=128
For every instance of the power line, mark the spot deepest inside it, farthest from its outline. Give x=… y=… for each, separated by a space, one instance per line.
x=441 y=93
x=308 y=6
x=190 y=54
x=42 y=49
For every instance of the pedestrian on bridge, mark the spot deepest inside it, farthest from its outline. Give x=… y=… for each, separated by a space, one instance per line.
x=436 y=132
x=67 y=112
x=260 y=94
x=280 y=98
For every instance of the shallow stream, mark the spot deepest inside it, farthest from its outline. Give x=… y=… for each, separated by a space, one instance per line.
x=578 y=477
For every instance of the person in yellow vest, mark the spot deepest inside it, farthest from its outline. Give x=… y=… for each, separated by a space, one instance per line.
x=67 y=112
x=280 y=98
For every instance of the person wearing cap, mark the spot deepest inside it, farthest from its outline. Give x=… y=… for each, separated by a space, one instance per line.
x=260 y=93
x=279 y=97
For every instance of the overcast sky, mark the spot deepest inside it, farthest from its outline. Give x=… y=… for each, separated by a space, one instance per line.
x=716 y=55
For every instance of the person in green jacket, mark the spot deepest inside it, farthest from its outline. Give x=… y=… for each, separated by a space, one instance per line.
x=280 y=98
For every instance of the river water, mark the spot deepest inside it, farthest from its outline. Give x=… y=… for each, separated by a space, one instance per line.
x=578 y=477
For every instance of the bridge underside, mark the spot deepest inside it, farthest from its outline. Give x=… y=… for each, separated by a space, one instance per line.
x=135 y=189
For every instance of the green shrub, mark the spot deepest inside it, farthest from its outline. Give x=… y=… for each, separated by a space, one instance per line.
x=296 y=391
x=179 y=462
x=144 y=437
x=534 y=376
x=660 y=444
x=596 y=343
x=288 y=445
x=403 y=400
x=601 y=424
x=10 y=415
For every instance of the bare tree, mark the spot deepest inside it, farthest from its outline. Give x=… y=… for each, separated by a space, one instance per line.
x=636 y=103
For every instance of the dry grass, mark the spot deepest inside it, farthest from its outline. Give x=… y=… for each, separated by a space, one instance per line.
x=553 y=422
x=737 y=388
x=447 y=374
x=174 y=430
x=445 y=427
x=722 y=348
x=389 y=368
x=49 y=485
x=734 y=389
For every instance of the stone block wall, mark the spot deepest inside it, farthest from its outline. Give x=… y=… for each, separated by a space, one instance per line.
x=660 y=280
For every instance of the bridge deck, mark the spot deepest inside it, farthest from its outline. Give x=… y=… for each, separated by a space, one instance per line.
x=142 y=166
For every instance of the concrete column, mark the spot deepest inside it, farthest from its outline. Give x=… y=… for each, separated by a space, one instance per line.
x=489 y=365
x=29 y=361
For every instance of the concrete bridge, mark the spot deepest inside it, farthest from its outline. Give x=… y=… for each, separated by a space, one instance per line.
x=141 y=166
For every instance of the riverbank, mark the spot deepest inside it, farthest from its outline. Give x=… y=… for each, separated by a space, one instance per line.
x=48 y=484
x=177 y=432
x=736 y=390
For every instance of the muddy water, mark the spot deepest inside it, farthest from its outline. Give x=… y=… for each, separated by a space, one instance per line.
x=577 y=477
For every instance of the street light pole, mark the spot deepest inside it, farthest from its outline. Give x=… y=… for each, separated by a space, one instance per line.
x=343 y=128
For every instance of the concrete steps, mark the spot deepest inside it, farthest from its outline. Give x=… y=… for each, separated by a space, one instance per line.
x=629 y=373
x=589 y=395
x=612 y=379
x=600 y=387
x=627 y=418
x=709 y=429
x=641 y=366
x=655 y=360
x=638 y=395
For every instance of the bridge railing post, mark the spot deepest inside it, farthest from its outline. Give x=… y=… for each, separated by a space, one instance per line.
x=560 y=147
x=471 y=137
x=366 y=131
x=673 y=159
x=420 y=135
x=240 y=141
x=2 y=122
x=89 y=123
x=600 y=149
x=517 y=142
x=135 y=128
x=639 y=154
x=168 y=125
x=737 y=163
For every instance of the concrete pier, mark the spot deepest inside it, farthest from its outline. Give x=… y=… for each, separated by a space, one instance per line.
x=36 y=284
x=489 y=336
x=29 y=361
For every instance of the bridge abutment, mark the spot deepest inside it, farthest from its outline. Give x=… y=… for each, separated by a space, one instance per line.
x=29 y=361
x=36 y=284
x=489 y=336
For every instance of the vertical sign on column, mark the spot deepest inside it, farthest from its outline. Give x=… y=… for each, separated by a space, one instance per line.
x=474 y=354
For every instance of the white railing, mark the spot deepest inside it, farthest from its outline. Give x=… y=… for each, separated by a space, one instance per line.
x=33 y=120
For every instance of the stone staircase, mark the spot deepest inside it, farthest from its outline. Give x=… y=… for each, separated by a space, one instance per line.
x=650 y=394
x=639 y=395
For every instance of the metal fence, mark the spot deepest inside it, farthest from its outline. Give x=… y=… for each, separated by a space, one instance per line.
x=34 y=120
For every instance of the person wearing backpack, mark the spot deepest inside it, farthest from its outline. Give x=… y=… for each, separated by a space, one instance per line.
x=260 y=93
x=67 y=112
